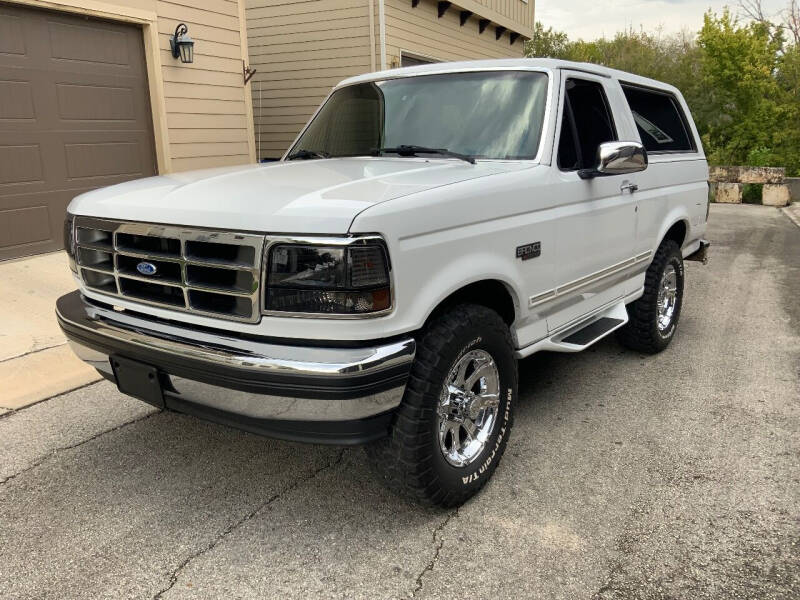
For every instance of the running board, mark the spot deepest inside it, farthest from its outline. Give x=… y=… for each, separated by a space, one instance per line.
x=593 y=332
x=582 y=335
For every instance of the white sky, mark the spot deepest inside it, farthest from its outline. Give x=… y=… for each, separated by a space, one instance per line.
x=590 y=19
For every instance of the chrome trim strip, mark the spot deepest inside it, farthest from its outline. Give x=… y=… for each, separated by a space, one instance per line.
x=583 y=319
x=594 y=277
x=583 y=282
x=244 y=354
x=539 y=298
x=153 y=256
x=164 y=282
x=208 y=288
x=96 y=270
x=184 y=258
x=261 y=406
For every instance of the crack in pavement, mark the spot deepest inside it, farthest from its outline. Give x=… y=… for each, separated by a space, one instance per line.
x=432 y=563
x=76 y=445
x=14 y=411
x=173 y=578
x=34 y=351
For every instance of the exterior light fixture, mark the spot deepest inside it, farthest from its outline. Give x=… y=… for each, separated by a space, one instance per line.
x=182 y=45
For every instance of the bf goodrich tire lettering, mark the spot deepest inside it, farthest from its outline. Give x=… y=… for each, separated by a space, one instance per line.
x=411 y=460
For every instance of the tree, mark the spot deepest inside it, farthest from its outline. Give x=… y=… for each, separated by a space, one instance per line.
x=749 y=108
x=741 y=79
x=546 y=43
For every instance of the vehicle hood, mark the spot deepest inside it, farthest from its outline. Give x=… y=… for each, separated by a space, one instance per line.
x=303 y=196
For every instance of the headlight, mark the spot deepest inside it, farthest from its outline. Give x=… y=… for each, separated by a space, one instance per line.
x=69 y=240
x=350 y=278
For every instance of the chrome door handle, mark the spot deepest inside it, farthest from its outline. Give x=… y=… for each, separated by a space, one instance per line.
x=627 y=185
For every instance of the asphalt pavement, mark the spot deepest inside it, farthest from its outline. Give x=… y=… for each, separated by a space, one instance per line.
x=626 y=476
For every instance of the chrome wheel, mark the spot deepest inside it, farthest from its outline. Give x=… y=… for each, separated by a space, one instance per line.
x=468 y=407
x=667 y=297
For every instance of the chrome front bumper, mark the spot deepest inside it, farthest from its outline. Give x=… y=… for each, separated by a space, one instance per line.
x=304 y=392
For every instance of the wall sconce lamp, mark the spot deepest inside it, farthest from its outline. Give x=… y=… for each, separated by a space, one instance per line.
x=182 y=45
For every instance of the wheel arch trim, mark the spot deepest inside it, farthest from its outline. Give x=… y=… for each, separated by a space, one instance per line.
x=452 y=290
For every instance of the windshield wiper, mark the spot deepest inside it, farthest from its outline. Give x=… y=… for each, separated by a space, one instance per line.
x=306 y=154
x=411 y=150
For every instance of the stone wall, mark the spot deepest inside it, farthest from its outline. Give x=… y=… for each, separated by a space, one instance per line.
x=747 y=174
x=726 y=184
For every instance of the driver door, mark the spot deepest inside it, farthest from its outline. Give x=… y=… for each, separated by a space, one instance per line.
x=596 y=230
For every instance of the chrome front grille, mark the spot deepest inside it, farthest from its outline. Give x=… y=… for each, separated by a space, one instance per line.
x=214 y=273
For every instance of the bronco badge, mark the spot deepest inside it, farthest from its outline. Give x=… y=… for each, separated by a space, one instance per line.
x=529 y=250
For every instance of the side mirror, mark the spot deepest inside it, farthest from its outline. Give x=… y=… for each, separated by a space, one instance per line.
x=617 y=158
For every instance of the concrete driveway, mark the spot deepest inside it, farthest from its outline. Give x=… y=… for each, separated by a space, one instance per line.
x=673 y=476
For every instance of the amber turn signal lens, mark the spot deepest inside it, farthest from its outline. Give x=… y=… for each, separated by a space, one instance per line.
x=381 y=299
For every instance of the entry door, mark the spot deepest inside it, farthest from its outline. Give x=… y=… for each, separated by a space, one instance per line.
x=596 y=228
x=74 y=116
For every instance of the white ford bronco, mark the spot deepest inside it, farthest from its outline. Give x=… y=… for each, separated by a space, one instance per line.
x=376 y=286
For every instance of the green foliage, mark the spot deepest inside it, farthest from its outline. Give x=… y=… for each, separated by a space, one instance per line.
x=546 y=43
x=741 y=81
x=751 y=193
x=738 y=63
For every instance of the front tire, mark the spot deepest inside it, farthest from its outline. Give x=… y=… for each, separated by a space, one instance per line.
x=453 y=424
x=654 y=316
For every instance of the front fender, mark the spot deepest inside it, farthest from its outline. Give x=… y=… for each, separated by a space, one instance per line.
x=446 y=278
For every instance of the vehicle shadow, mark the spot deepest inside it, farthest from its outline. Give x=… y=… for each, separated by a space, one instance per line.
x=544 y=376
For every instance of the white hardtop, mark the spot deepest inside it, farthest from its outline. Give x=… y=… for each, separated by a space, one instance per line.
x=538 y=64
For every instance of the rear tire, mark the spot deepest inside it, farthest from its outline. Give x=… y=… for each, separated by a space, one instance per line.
x=654 y=316
x=453 y=424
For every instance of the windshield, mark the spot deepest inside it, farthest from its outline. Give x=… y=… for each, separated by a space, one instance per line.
x=487 y=114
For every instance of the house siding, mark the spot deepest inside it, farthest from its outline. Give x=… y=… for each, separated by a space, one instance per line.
x=513 y=14
x=420 y=31
x=302 y=49
x=206 y=102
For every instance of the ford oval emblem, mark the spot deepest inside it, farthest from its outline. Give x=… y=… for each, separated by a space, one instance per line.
x=146 y=268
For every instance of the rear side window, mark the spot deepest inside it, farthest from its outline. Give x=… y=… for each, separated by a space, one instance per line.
x=659 y=119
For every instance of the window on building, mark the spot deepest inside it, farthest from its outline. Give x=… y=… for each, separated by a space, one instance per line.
x=586 y=123
x=659 y=119
x=410 y=60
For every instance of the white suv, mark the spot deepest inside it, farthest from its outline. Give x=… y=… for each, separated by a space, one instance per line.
x=376 y=286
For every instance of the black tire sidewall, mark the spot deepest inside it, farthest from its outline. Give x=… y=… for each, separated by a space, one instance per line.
x=468 y=479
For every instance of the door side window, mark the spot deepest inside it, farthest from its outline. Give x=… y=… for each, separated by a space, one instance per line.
x=586 y=123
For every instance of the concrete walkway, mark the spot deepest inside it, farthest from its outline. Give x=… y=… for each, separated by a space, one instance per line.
x=35 y=360
x=793 y=212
